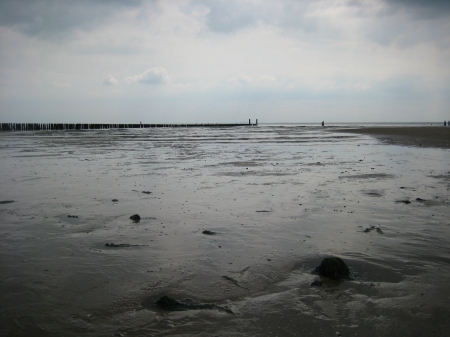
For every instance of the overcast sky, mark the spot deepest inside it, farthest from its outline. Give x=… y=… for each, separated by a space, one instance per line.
x=224 y=61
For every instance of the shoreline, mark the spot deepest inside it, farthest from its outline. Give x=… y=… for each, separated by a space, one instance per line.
x=410 y=136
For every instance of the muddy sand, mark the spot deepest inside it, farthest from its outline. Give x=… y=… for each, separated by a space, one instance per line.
x=232 y=219
x=431 y=136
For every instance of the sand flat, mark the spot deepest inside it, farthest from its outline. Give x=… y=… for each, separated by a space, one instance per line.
x=432 y=136
x=319 y=194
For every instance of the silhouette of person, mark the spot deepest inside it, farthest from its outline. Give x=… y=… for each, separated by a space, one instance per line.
x=323 y=123
x=445 y=123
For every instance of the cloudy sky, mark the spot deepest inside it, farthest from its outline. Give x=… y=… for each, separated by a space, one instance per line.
x=189 y=61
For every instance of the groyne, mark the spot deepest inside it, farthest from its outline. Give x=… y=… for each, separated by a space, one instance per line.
x=97 y=126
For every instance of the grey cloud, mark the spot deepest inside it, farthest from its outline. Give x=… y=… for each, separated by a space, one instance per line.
x=423 y=9
x=53 y=19
x=228 y=16
x=231 y=16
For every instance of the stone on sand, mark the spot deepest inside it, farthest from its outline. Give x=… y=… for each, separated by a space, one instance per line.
x=334 y=268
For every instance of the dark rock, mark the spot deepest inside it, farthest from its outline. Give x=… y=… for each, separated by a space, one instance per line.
x=316 y=283
x=146 y=192
x=114 y=200
x=6 y=201
x=334 y=268
x=170 y=304
x=403 y=201
x=207 y=232
x=379 y=230
x=72 y=216
x=420 y=199
x=135 y=218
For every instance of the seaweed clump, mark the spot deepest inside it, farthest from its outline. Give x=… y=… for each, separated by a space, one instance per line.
x=334 y=268
x=169 y=304
x=207 y=232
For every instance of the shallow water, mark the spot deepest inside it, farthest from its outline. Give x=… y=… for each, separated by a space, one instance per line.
x=280 y=198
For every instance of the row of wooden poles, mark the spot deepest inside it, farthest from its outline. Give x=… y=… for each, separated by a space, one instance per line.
x=71 y=126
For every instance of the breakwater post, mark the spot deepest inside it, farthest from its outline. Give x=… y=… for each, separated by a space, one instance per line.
x=97 y=126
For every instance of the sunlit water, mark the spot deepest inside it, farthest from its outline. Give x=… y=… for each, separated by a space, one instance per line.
x=279 y=197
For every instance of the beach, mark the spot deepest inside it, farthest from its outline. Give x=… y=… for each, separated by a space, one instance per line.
x=277 y=198
x=427 y=136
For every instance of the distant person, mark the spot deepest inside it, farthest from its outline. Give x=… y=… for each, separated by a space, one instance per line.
x=323 y=123
x=445 y=123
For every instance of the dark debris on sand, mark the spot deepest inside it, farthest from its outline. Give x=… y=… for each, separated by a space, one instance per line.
x=371 y=228
x=121 y=245
x=117 y=245
x=170 y=304
x=207 y=232
x=403 y=201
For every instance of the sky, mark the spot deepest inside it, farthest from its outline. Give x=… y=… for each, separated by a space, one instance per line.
x=198 y=61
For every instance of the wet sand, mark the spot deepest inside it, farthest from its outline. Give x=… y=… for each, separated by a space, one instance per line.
x=279 y=199
x=409 y=136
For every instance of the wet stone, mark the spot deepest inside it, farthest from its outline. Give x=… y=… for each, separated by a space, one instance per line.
x=146 y=192
x=135 y=218
x=334 y=268
x=115 y=200
x=6 y=201
x=170 y=304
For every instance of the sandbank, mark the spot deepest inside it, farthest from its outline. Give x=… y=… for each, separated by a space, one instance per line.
x=430 y=136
